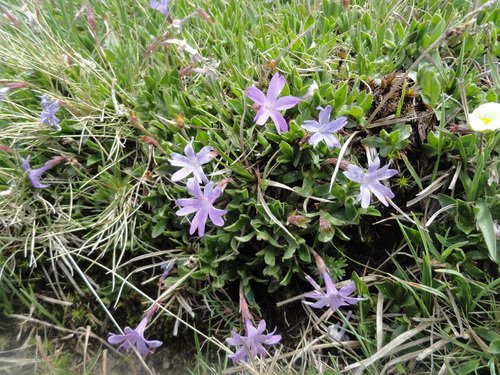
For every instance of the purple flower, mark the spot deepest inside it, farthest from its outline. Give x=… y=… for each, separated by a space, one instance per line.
x=48 y=116
x=270 y=105
x=202 y=204
x=135 y=337
x=252 y=343
x=3 y=93
x=191 y=163
x=369 y=181
x=166 y=267
x=332 y=297
x=34 y=174
x=337 y=333
x=161 y=6
x=323 y=130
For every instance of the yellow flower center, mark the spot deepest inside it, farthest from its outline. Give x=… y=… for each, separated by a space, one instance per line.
x=486 y=120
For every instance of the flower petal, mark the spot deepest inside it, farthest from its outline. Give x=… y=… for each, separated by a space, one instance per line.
x=275 y=87
x=286 y=102
x=279 y=122
x=364 y=196
x=181 y=174
x=311 y=126
x=324 y=114
x=354 y=173
x=199 y=222
x=256 y=95
x=262 y=116
x=348 y=289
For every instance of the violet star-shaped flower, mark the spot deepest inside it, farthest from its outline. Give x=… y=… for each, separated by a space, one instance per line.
x=337 y=333
x=270 y=105
x=332 y=297
x=324 y=129
x=203 y=205
x=191 y=163
x=161 y=6
x=34 y=174
x=48 y=117
x=135 y=337
x=369 y=181
x=3 y=93
x=251 y=344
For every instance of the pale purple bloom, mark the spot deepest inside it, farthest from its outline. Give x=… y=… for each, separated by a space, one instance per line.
x=337 y=333
x=202 y=204
x=324 y=129
x=34 y=174
x=48 y=117
x=369 y=181
x=167 y=267
x=270 y=105
x=332 y=297
x=191 y=163
x=251 y=344
x=161 y=6
x=3 y=93
x=135 y=337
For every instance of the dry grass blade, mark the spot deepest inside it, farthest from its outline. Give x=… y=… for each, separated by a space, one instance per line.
x=431 y=188
x=387 y=350
x=341 y=155
x=283 y=186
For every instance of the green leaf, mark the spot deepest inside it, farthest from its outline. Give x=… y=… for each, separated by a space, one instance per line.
x=286 y=149
x=469 y=367
x=356 y=112
x=340 y=95
x=465 y=218
x=485 y=223
x=159 y=228
x=289 y=253
x=387 y=289
x=269 y=258
x=494 y=347
x=245 y=238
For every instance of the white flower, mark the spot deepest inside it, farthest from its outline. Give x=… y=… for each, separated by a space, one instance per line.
x=485 y=118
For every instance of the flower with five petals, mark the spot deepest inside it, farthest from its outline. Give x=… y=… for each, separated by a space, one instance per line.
x=332 y=297
x=369 y=181
x=202 y=204
x=270 y=105
x=251 y=344
x=324 y=129
x=191 y=163
x=48 y=115
x=135 y=337
x=485 y=118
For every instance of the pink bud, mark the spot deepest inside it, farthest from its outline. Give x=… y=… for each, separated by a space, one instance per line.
x=222 y=184
x=148 y=140
x=56 y=160
x=149 y=312
x=5 y=148
x=298 y=220
x=16 y=85
x=245 y=312
x=324 y=225
x=320 y=263
x=343 y=163
x=205 y=15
